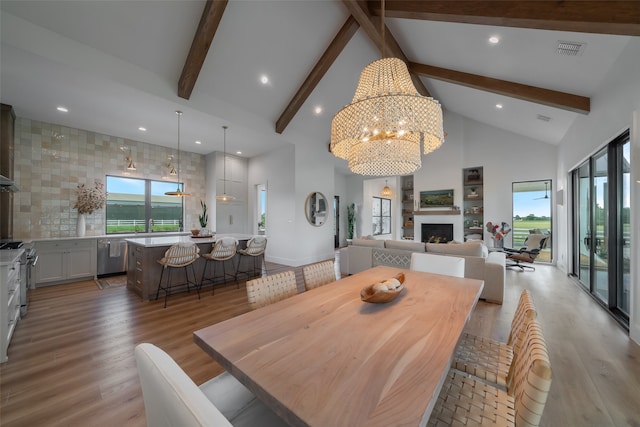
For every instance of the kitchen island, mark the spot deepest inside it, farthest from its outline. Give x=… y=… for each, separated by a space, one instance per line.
x=143 y=270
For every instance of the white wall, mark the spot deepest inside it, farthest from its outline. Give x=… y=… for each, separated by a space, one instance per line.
x=613 y=109
x=274 y=170
x=314 y=173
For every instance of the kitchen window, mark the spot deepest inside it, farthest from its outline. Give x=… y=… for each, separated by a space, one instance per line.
x=139 y=205
x=381 y=209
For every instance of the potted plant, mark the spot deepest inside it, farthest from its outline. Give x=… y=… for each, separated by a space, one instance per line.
x=89 y=200
x=351 y=220
x=203 y=218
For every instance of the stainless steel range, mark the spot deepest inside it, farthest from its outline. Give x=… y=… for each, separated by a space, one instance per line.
x=28 y=261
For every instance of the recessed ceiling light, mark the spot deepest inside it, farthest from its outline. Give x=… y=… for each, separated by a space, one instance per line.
x=264 y=79
x=499 y=106
x=198 y=142
x=142 y=128
x=494 y=39
x=238 y=152
x=62 y=109
x=317 y=110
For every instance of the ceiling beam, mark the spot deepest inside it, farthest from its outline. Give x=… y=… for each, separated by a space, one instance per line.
x=319 y=70
x=360 y=11
x=552 y=98
x=209 y=21
x=602 y=17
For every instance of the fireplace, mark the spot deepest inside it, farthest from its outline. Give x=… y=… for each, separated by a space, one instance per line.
x=437 y=233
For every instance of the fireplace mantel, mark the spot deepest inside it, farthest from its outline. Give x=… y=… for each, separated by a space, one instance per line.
x=442 y=212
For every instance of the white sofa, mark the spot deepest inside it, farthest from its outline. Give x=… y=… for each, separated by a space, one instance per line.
x=480 y=264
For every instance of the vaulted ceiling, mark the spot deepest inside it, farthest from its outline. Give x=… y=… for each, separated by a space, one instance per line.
x=120 y=65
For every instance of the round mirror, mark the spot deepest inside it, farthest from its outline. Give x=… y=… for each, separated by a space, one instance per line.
x=315 y=208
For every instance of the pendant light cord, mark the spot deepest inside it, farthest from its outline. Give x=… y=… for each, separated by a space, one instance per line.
x=179 y=113
x=224 y=161
x=382 y=28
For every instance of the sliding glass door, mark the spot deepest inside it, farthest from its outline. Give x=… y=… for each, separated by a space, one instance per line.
x=582 y=246
x=602 y=215
x=624 y=228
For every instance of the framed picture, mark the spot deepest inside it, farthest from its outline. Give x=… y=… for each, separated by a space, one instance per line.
x=436 y=199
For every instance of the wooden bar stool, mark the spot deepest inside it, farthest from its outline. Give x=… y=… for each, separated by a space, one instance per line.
x=178 y=256
x=222 y=251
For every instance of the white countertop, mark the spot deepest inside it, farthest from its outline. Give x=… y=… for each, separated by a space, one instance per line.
x=109 y=236
x=10 y=256
x=159 y=241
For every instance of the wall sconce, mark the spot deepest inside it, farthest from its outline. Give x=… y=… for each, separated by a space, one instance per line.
x=172 y=170
x=130 y=165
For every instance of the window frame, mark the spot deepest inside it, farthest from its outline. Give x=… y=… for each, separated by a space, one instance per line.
x=148 y=211
x=381 y=217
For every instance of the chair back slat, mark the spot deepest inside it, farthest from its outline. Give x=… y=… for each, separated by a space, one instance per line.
x=170 y=397
x=531 y=379
x=180 y=255
x=223 y=249
x=269 y=289
x=318 y=274
x=438 y=264
x=525 y=312
x=256 y=246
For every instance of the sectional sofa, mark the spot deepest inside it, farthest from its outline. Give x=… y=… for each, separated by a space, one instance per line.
x=479 y=262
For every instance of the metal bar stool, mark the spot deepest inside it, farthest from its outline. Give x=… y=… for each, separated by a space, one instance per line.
x=255 y=250
x=177 y=256
x=222 y=250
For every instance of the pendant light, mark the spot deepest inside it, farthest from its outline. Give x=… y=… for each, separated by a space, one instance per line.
x=386 y=191
x=178 y=192
x=224 y=197
x=380 y=132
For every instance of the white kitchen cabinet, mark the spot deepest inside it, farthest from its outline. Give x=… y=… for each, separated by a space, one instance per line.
x=9 y=299
x=65 y=260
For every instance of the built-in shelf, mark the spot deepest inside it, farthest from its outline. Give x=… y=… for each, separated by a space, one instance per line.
x=473 y=204
x=448 y=212
x=407 y=208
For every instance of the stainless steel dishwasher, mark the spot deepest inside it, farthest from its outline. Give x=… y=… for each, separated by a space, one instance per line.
x=112 y=256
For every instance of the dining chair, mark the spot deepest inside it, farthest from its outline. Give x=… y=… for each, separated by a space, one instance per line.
x=172 y=399
x=489 y=359
x=467 y=400
x=318 y=274
x=180 y=255
x=269 y=289
x=222 y=250
x=256 y=247
x=438 y=264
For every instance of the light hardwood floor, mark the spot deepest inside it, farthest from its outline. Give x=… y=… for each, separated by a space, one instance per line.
x=71 y=359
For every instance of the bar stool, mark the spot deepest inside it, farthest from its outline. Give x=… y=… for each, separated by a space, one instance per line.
x=178 y=256
x=222 y=251
x=255 y=250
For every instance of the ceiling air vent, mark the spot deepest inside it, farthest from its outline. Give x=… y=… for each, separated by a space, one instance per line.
x=544 y=118
x=570 y=48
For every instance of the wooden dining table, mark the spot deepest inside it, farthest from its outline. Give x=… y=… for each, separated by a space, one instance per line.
x=326 y=358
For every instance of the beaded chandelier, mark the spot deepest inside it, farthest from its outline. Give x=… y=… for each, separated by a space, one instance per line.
x=380 y=132
x=386 y=190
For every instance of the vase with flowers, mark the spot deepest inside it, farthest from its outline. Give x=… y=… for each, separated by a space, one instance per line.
x=498 y=233
x=90 y=199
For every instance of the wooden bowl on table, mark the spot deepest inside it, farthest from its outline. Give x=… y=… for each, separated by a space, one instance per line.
x=385 y=291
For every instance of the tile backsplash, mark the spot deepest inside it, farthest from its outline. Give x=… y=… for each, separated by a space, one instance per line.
x=52 y=160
